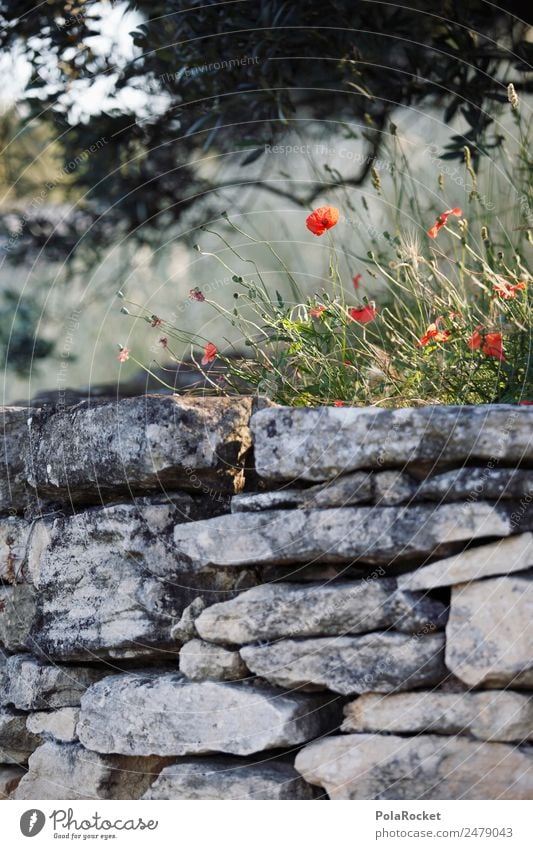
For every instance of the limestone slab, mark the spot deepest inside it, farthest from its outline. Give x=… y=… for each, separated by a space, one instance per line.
x=490 y=632
x=378 y=662
x=503 y=557
x=498 y=715
x=373 y=534
x=137 y=714
x=304 y=444
x=377 y=766
x=95 y=450
x=16 y=423
x=200 y=660
x=58 y=724
x=27 y=683
x=340 y=607
x=112 y=584
x=488 y=482
x=68 y=771
x=229 y=778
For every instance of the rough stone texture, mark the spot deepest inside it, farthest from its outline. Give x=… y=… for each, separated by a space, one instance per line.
x=14 y=538
x=68 y=771
x=91 y=451
x=185 y=627
x=384 y=488
x=312 y=610
x=483 y=483
x=490 y=632
x=16 y=742
x=16 y=425
x=348 y=665
x=111 y=582
x=17 y=612
x=58 y=724
x=374 y=766
x=229 y=778
x=30 y=684
x=496 y=715
x=389 y=488
x=392 y=487
x=373 y=534
x=200 y=660
x=137 y=714
x=321 y=443
x=9 y=779
x=502 y=557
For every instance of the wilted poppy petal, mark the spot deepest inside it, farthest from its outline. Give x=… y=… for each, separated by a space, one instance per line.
x=210 y=353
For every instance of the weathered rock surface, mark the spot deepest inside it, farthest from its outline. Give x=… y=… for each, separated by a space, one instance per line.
x=487 y=483
x=383 y=488
x=185 y=627
x=375 y=662
x=200 y=660
x=372 y=534
x=58 y=724
x=111 y=583
x=16 y=427
x=311 y=610
x=498 y=558
x=93 y=451
x=16 y=742
x=9 y=779
x=30 y=684
x=375 y=766
x=319 y=444
x=496 y=715
x=229 y=778
x=17 y=612
x=138 y=714
x=490 y=632
x=68 y=771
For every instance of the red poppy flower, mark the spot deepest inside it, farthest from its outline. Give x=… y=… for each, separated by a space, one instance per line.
x=491 y=344
x=506 y=291
x=356 y=280
x=338 y=403
x=442 y=220
x=363 y=314
x=196 y=294
x=322 y=219
x=156 y=321
x=433 y=332
x=316 y=312
x=210 y=353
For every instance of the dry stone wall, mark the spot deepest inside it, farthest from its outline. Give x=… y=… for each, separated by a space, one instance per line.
x=220 y=599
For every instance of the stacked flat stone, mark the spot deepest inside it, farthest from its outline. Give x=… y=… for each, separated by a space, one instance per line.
x=359 y=626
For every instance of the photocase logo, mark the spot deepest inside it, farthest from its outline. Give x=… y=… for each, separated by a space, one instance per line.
x=32 y=822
